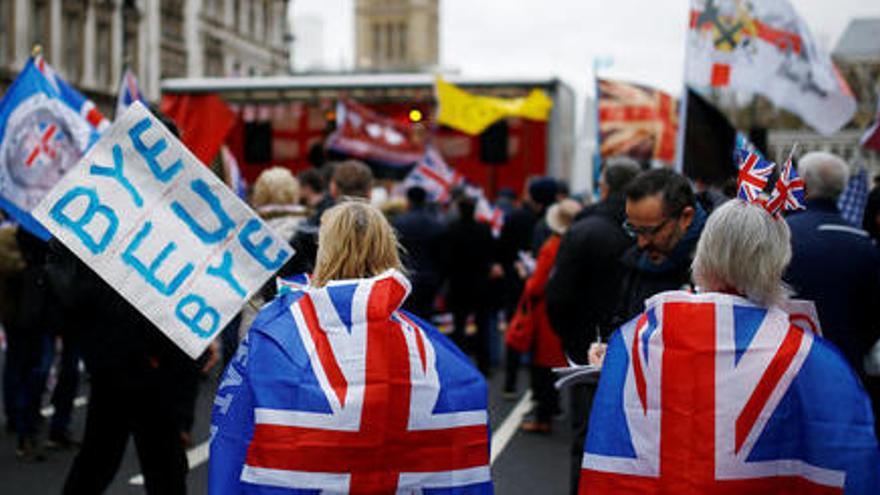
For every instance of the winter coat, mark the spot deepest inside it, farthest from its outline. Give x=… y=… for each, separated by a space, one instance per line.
x=547 y=349
x=838 y=267
x=582 y=288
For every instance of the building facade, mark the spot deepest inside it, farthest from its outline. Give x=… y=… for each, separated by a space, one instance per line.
x=397 y=35
x=90 y=41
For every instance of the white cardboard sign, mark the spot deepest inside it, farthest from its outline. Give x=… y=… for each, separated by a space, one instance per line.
x=161 y=229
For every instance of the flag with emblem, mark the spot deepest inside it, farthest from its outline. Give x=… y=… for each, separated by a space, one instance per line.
x=709 y=393
x=71 y=97
x=636 y=121
x=754 y=172
x=336 y=390
x=45 y=127
x=764 y=47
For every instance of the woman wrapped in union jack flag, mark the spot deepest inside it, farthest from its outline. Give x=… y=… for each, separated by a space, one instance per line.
x=731 y=389
x=335 y=389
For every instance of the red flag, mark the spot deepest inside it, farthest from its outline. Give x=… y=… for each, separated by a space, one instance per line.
x=367 y=135
x=871 y=138
x=204 y=121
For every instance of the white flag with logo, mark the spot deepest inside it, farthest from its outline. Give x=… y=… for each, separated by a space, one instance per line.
x=763 y=46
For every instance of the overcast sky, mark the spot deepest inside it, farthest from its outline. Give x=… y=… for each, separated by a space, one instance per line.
x=561 y=38
x=645 y=38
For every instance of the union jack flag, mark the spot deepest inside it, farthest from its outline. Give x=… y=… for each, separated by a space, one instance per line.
x=789 y=191
x=434 y=175
x=129 y=92
x=337 y=391
x=754 y=172
x=636 y=121
x=710 y=393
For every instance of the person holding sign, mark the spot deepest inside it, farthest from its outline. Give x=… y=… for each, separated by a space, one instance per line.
x=335 y=389
x=149 y=242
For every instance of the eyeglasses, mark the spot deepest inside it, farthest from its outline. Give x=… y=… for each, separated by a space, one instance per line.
x=651 y=231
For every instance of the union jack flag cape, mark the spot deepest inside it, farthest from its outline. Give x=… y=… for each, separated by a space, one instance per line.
x=335 y=390
x=710 y=393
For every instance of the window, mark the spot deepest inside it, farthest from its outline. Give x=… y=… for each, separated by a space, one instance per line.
x=131 y=38
x=252 y=18
x=103 y=57
x=5 y=30
x=389 y=41
x=72 y=52
x=40 y=24
x=267 y=21
x=377 y=43
x=401 y=39
x=236 y=14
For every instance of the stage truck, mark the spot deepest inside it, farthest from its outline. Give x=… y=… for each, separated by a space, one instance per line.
x=285 y=120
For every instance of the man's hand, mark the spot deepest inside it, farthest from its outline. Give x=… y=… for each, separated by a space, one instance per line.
x=596 y=354
x=213 y=352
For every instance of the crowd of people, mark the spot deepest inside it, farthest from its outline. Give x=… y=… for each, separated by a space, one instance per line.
x=559 y=280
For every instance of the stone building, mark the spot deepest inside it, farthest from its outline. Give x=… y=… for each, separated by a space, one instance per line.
x=89 y=41
x=396 y=35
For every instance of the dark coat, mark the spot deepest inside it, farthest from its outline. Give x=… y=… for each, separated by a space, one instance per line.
x=420 y=233
x=470 y=252
x=838 y=267
x=582 y=290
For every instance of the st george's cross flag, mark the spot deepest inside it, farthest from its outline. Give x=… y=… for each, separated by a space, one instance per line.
x=335 y=390
x=709 y=393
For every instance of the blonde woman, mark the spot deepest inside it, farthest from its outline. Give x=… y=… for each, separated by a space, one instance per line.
x=276 y=197
x=336 y=389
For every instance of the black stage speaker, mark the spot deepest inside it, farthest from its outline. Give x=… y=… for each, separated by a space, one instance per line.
x=493 y=143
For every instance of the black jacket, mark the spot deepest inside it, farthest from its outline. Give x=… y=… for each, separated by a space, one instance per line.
x=420 y=233
x=470 y=252
x=582 y=290
x=838 y=267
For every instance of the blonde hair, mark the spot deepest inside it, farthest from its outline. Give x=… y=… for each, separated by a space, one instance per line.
x=355 y=241
x=742 y=247
x=275 y=186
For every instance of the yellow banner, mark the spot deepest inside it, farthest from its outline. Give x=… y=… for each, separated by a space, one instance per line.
x=472 y=114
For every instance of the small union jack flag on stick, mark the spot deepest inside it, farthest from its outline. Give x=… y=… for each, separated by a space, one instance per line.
x=754 y=172
x=788 y=194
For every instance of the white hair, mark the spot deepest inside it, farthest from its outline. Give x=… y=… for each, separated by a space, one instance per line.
x=744 y=248
x=275 y=186
x=824 y=174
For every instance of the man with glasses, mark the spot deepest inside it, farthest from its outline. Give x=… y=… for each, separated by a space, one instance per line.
x=664 y=218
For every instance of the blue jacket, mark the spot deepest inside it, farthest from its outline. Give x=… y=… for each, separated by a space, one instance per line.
x=838 y=267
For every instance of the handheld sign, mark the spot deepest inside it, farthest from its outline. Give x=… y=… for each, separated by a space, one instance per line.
x=162 y=230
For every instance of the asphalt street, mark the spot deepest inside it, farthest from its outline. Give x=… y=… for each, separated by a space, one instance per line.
x=523 y=463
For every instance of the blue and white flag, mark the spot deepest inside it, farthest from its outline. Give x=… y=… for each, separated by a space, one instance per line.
x=336 y=390
x=129 y=92
x=42 y=136
x=854 y=199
